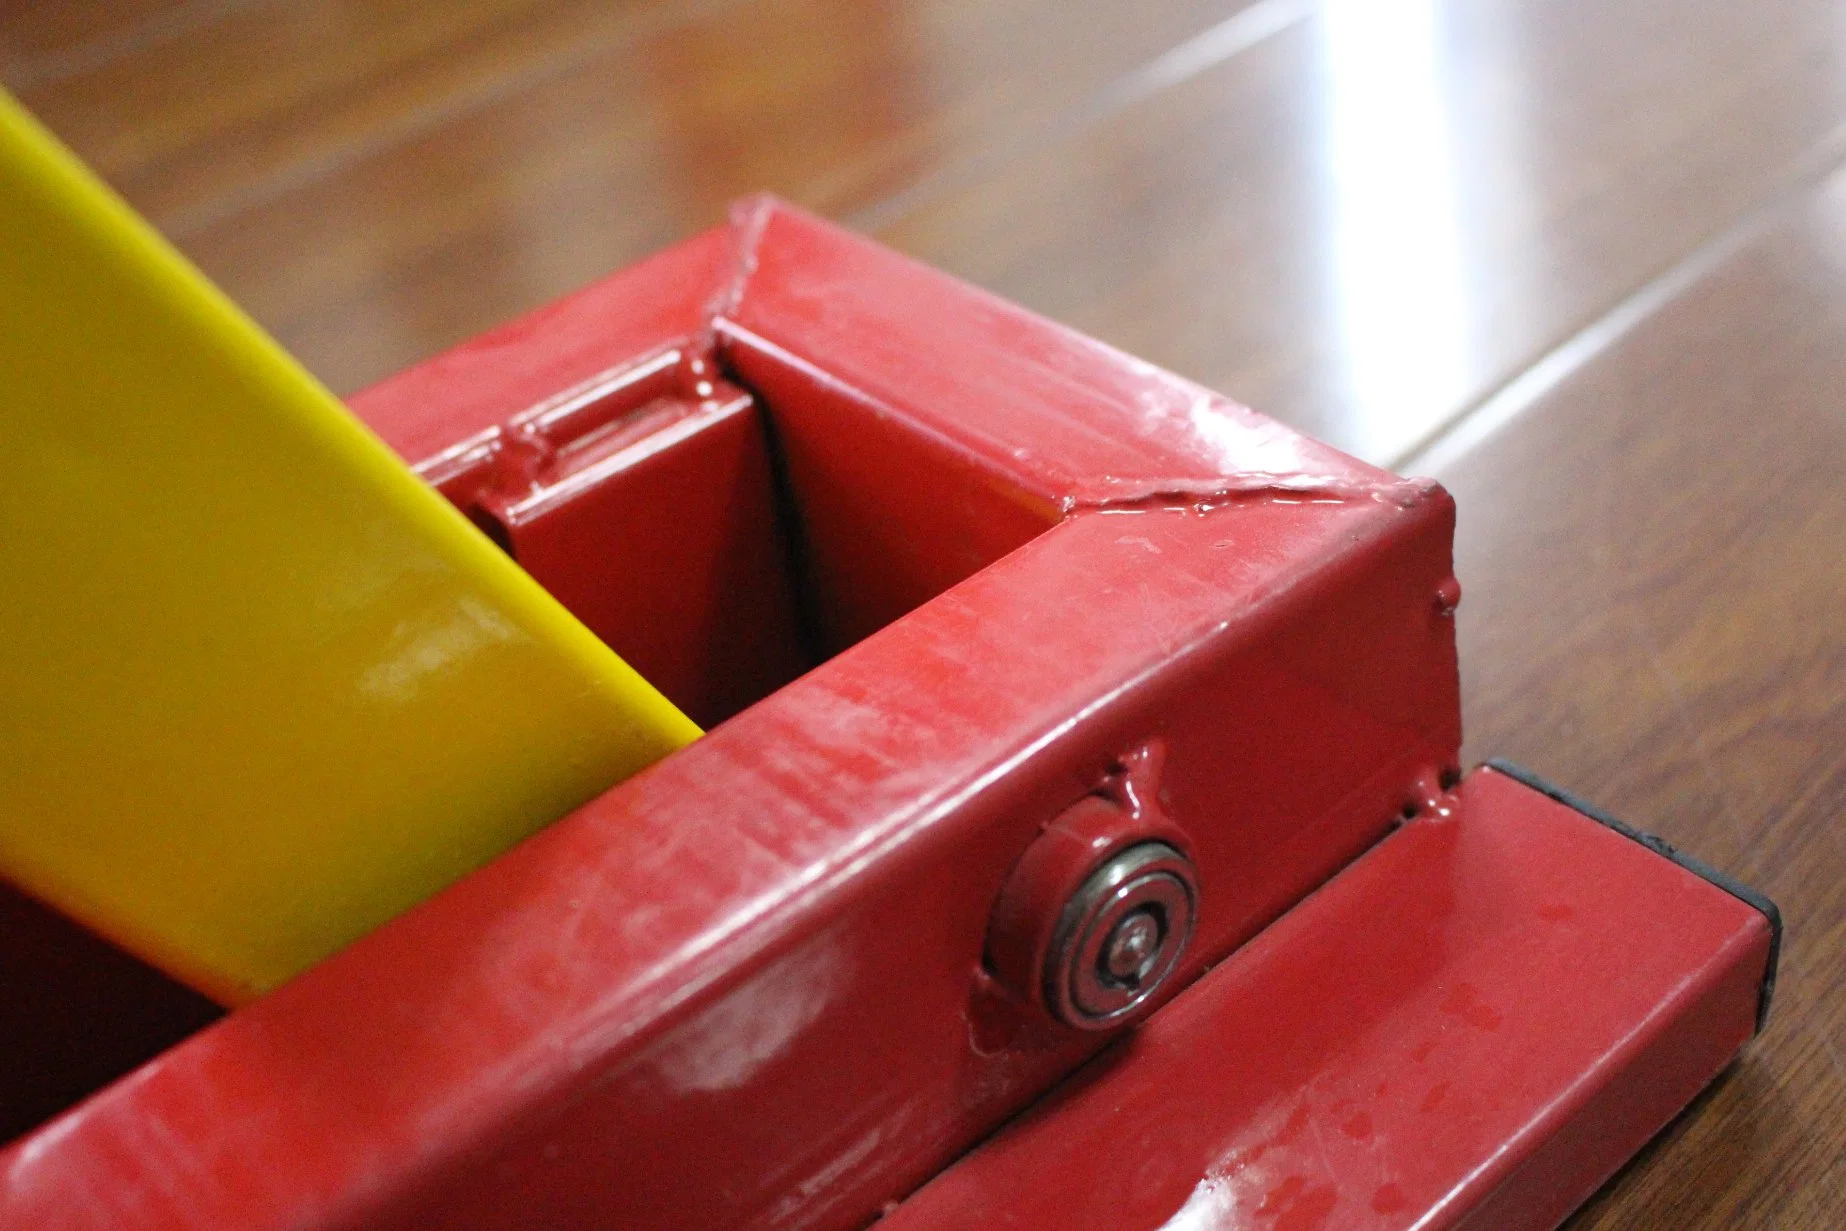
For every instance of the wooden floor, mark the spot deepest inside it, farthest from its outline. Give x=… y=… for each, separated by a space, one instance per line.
x=1584 y=260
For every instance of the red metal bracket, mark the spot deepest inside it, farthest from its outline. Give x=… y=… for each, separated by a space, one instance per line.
x=1472 y=1026
x=939 y=571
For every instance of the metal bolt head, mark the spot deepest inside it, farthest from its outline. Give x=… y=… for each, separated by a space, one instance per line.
x=1120 y=936
x=1129 y=952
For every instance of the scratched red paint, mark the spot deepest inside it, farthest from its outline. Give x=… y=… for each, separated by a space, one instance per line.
x=1465 y=1002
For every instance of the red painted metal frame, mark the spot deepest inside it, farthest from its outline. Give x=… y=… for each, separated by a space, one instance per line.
x=1471 y=1026
x=939 y=570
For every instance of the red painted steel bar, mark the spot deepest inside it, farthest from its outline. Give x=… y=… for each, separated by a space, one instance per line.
x=1472 y=1026
x=950 y=581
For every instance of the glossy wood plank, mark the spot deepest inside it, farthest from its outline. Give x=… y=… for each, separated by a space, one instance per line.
x=423 y=233
x=1364 y=220
x=1653 y=557
x=274 y=93
x=42 y=41
x=1375 y=216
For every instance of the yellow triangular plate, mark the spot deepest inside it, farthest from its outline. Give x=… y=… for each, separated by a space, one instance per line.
x=260 y=689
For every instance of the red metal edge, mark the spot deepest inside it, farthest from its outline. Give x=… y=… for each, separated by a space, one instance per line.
x=660 y=304
x=1756 y=900
x=710 y=998
x=1474 y=1025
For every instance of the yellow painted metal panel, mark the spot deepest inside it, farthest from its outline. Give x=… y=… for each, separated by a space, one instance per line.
x=260 y=689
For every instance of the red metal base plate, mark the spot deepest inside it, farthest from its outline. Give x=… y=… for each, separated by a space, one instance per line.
x=1472 y=1026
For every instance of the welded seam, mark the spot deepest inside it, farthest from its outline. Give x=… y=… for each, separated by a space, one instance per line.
x=1207 y=494
x=749 y=219
x=749 y=223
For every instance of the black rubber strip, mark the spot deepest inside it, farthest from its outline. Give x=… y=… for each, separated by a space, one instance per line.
x=1737 y=889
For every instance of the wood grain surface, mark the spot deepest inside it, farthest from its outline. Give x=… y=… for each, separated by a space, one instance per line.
x=1585 y=262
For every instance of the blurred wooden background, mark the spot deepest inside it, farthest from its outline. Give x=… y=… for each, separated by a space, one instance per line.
x=1585 y=261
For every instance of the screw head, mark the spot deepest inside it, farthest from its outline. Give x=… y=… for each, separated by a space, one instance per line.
x=1129 y=952
x=1120 y=936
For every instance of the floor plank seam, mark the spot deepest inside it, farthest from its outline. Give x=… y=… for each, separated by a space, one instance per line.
x=100 y=51
x=1211 y=48
x=186 y=223
x=1474 y=423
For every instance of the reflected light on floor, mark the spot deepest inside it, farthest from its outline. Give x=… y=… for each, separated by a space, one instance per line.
x=1396 y=261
